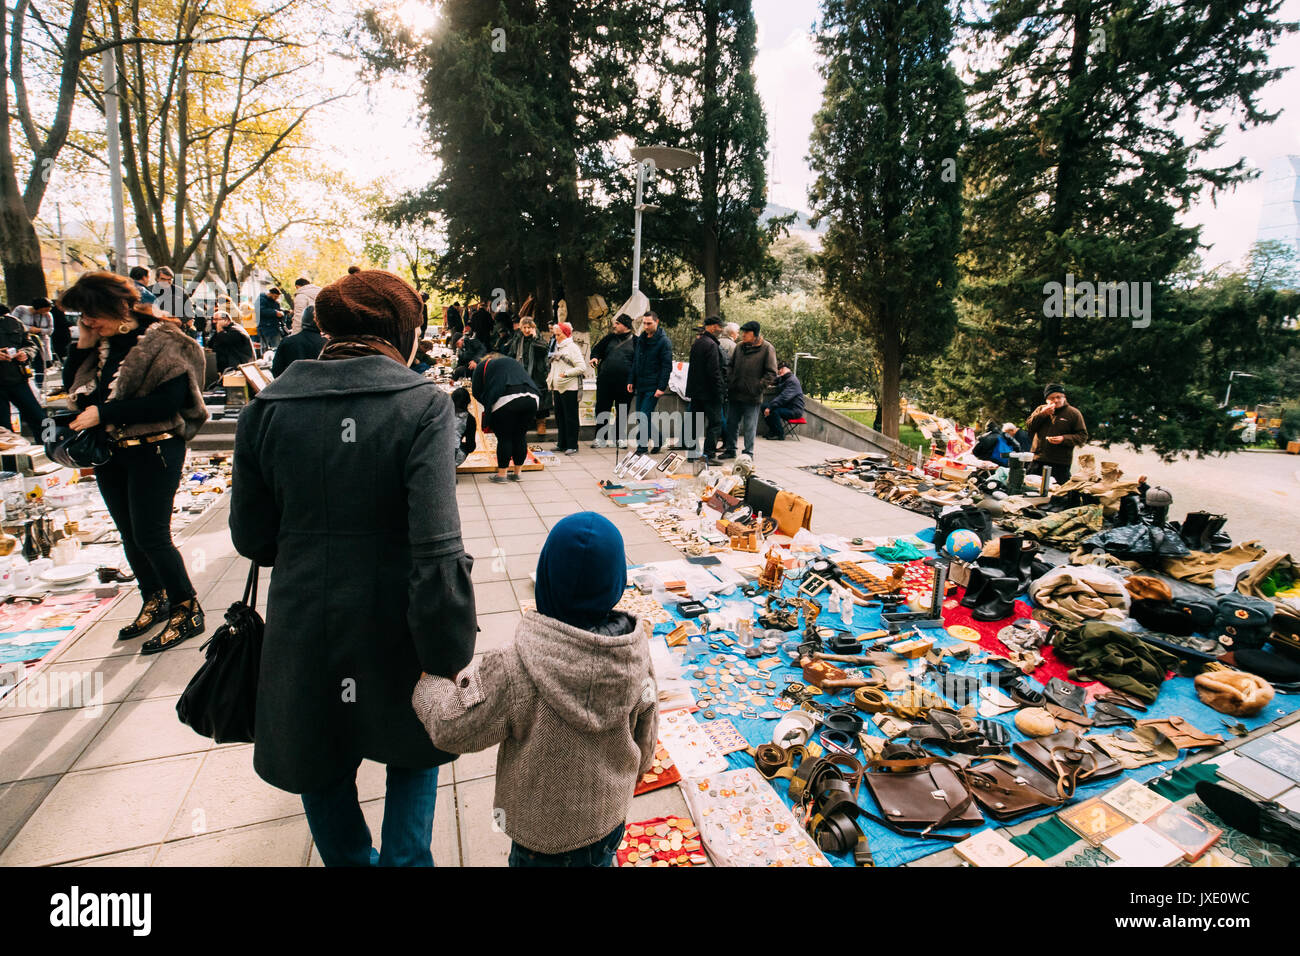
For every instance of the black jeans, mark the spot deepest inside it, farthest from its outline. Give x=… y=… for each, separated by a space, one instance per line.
x=29 y=409
x=1060 y=472
x=712 y=412
x=612 y=398
x=139 y=486
x=511 y=422
x=566 y=418
x=600 y=853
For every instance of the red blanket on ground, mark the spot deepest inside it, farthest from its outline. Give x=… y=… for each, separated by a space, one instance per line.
x=954 y=613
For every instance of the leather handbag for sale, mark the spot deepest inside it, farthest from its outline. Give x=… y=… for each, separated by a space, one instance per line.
x=968 y=517
x=919 y=796
x=722 y=502
x=1005 y=793
x=761 y=495
x=1069 y=759
x=791 y=513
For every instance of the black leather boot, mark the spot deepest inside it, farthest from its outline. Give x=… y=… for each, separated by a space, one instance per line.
x=1193 y=529
x=997 y=600
x=185 y=622
x=1130 y=510
x=975 y=586
x=1264 y=821
x=155 y=610
x=1009 y=554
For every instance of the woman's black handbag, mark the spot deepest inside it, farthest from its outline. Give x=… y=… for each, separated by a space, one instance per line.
x=88 y=448
x=221 y=699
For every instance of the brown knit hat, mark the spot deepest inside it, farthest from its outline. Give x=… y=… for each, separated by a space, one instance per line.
x=370 y=302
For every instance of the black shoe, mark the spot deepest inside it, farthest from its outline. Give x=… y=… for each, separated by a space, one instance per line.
x=729 y=453
x=1264 y=821
x=185 y=622
x=998 y=599
x=155 y=611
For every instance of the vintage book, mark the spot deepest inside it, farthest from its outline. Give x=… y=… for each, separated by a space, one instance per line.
x=1290 y=800
x=1291 y=733
x=1276 y=753
x=1135 y=801
x=1094 y=821
x=1185 y=830
x=990 y=848
x=1139 y=845
x=1254 y=778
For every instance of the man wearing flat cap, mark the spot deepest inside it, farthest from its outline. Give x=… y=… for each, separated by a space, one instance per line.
x=1057 y=427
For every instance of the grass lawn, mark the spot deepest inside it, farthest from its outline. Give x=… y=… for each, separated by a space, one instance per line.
x=907 y=434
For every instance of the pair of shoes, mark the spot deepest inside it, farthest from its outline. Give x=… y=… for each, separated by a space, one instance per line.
x=185 y=622
x=729 y=453
x=597 y=444
x=571 y=451
x=156 y=609
x=512 y=477
x=497 y=479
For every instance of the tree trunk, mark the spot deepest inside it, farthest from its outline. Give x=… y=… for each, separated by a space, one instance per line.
x=710 y=172
x=890 y=374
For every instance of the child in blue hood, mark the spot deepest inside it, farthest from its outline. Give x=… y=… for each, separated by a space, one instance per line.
x=572 y=702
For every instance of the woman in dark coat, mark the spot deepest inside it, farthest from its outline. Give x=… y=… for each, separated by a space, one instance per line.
x=141 y=380
x=509 y=399
x=345 y=483
x=534 y=355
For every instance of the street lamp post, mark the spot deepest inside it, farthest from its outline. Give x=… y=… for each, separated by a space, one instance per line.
x=648 y=159
x=798 y=356
x=1231 y=376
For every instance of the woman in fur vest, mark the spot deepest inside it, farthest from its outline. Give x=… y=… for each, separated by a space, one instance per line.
x=139 y=379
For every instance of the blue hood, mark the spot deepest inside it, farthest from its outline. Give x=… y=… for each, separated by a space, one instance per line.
x=582 y=570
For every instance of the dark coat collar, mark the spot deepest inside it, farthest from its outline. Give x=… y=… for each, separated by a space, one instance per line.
x=313 y=378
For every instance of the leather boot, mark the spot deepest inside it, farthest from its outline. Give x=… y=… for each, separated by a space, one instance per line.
x=186 y=621
x=975 y=586
x=1213 y=531
x=1264 y=821
x=1130 y=510
x=997 y=600
x=1193 y=529
x=155 y=611
x=1009 y=554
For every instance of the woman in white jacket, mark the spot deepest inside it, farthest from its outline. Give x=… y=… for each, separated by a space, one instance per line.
x=568 y=368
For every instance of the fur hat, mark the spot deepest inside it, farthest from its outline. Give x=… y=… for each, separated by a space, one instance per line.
x=1144 y=588
x=1233 y=692
x=370 y=302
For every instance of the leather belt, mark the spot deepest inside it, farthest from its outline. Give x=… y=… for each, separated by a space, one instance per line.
x=839 y=742
x=871 y=700
x=145 y=440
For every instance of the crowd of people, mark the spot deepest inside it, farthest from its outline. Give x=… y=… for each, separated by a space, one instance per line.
x=1051 y=433
x=734 y=380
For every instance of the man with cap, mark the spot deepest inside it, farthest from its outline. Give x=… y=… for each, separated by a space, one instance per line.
x=1057 y=427
x=705 y=386
x=753 y=369
x=346 y=487
x=786 y=404
x=612 y=359
x=652 y=365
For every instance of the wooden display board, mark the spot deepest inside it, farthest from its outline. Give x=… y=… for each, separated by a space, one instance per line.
x=483 y=460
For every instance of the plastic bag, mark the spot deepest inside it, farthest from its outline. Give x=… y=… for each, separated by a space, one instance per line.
x=1140 y=542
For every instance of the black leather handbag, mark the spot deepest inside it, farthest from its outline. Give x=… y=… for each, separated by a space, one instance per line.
x=221 y=699
x=88 y=448
x=760 y=495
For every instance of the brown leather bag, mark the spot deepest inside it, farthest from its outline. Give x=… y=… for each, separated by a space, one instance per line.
x=1005 y=793
x=918 y=796
x=791 y=513
x=1068 y=759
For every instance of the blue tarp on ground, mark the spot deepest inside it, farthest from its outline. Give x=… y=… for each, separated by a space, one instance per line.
x=1177 y=698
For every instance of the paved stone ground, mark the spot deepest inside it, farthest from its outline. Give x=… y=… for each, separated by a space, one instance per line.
x=1258 y=491
x=131 y=785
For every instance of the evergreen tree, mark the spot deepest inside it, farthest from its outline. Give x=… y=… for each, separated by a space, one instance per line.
x=1077 y=172
x=884 y=147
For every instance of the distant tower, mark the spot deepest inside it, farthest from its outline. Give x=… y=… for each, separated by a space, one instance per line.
x=1279 y=217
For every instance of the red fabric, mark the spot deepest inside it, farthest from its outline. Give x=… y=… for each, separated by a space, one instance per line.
x=954 y=613
x=796 y=421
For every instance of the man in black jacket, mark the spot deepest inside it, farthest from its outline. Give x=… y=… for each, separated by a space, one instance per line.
x=455 y=325
x=306 y=344
x=16 y=351
x=612 y=359
x=786 y=404
x=652 y=366
x=705 y=386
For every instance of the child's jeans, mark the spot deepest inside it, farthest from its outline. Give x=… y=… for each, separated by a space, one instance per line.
x=600 y=853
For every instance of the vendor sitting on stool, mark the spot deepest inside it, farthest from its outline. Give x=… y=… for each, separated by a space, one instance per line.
x=786 y=404
x=1057 y=427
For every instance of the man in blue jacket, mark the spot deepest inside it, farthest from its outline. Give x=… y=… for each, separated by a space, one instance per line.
x=652 y=365
x=786 y=404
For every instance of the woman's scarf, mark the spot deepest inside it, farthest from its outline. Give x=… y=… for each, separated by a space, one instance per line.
x=355 y=346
